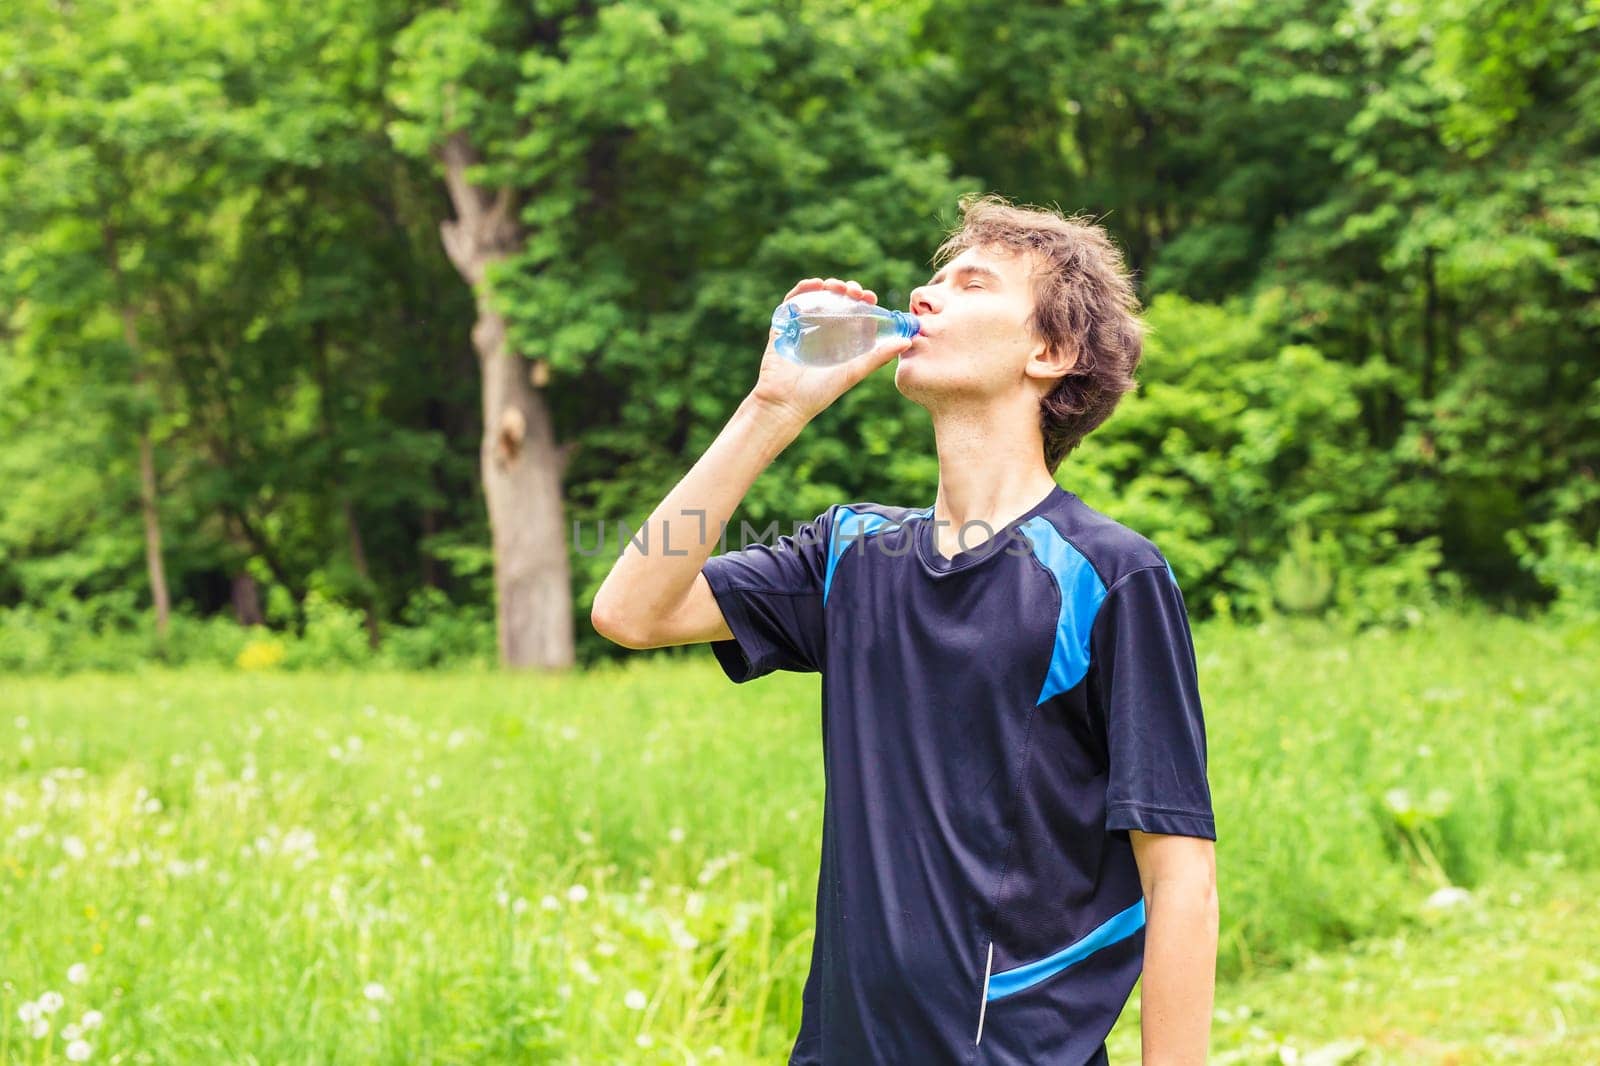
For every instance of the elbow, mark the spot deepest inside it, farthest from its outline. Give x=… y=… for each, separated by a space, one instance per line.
x=615 y=626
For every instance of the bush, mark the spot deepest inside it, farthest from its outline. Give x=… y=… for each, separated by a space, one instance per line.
x=1564 y=563
x=117 y=633
x=1251 y=464
x=437 y=632
x=335 y=635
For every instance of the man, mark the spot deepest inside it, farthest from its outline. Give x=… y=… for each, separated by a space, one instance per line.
x=1017 y=817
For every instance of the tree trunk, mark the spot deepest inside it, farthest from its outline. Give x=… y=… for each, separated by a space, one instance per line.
x=430 y=565
x=246 y=595
x=155 y=567
x=244 y=590
x=519 y=459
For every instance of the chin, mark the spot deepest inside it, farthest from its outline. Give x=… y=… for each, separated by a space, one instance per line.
x=919 y=380
x=907 y=375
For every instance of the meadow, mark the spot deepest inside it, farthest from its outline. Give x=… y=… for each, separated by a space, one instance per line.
x=619 y=865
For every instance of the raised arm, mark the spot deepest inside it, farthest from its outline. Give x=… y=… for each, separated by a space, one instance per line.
x=655 y=595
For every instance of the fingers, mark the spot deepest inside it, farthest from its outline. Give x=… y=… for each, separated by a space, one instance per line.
x=852 y=289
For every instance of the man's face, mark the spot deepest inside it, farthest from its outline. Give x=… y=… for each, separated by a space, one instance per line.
x=975 y=341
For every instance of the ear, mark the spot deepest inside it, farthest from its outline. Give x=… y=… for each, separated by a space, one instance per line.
x=1052 y=364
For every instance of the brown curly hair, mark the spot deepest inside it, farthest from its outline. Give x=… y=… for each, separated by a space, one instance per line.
x=1083 y=302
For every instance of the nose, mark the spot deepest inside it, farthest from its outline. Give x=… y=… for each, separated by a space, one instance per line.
x=920 y=302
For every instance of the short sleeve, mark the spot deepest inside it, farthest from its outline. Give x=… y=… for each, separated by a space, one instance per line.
x=1148 y=692
x=771 y=598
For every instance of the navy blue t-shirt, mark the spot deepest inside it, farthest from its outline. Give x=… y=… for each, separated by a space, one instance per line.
x=992 y=725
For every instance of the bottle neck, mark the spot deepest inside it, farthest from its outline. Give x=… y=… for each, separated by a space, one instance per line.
x=906 y=325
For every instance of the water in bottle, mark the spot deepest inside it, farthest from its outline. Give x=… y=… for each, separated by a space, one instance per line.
x=824 y=328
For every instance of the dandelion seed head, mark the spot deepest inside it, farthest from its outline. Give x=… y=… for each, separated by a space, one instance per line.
x=92 y=1019
x=634 y=1000
x=79 y=1051
x=375 y=992
x=50 y=1002
x=78 y=973
x=577 y=894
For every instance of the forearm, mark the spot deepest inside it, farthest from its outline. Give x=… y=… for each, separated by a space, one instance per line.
x=660 y=561
x=1179 y=982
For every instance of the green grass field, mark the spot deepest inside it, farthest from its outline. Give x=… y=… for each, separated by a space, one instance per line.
x=620 y=866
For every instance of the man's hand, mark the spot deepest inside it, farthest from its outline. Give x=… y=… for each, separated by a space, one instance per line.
x=654 y=599
x=800 y=393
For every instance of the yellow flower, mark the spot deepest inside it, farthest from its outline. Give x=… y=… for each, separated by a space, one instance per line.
x=260 y=655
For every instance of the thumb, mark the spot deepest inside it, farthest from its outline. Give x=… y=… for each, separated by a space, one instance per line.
x=857 y=369
x=886 y=351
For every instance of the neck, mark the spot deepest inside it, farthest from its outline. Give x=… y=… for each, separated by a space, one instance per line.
x=991 y=464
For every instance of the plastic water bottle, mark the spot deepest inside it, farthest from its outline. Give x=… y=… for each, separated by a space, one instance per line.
x=824 y=328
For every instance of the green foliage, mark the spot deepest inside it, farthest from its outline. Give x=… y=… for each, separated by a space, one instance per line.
x=1303 y=579
x=70 y=634
x=1563 y=555
x=334 y=635
x=1368 y=237
x=108 y=632
x=437 y=633
x=210 y=242
x=1233 y=442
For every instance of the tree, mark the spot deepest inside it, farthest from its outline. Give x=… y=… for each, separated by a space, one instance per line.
x=203 y=207
x=634 y=188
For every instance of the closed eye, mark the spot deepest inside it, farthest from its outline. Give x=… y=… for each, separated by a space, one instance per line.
x=973 y=285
